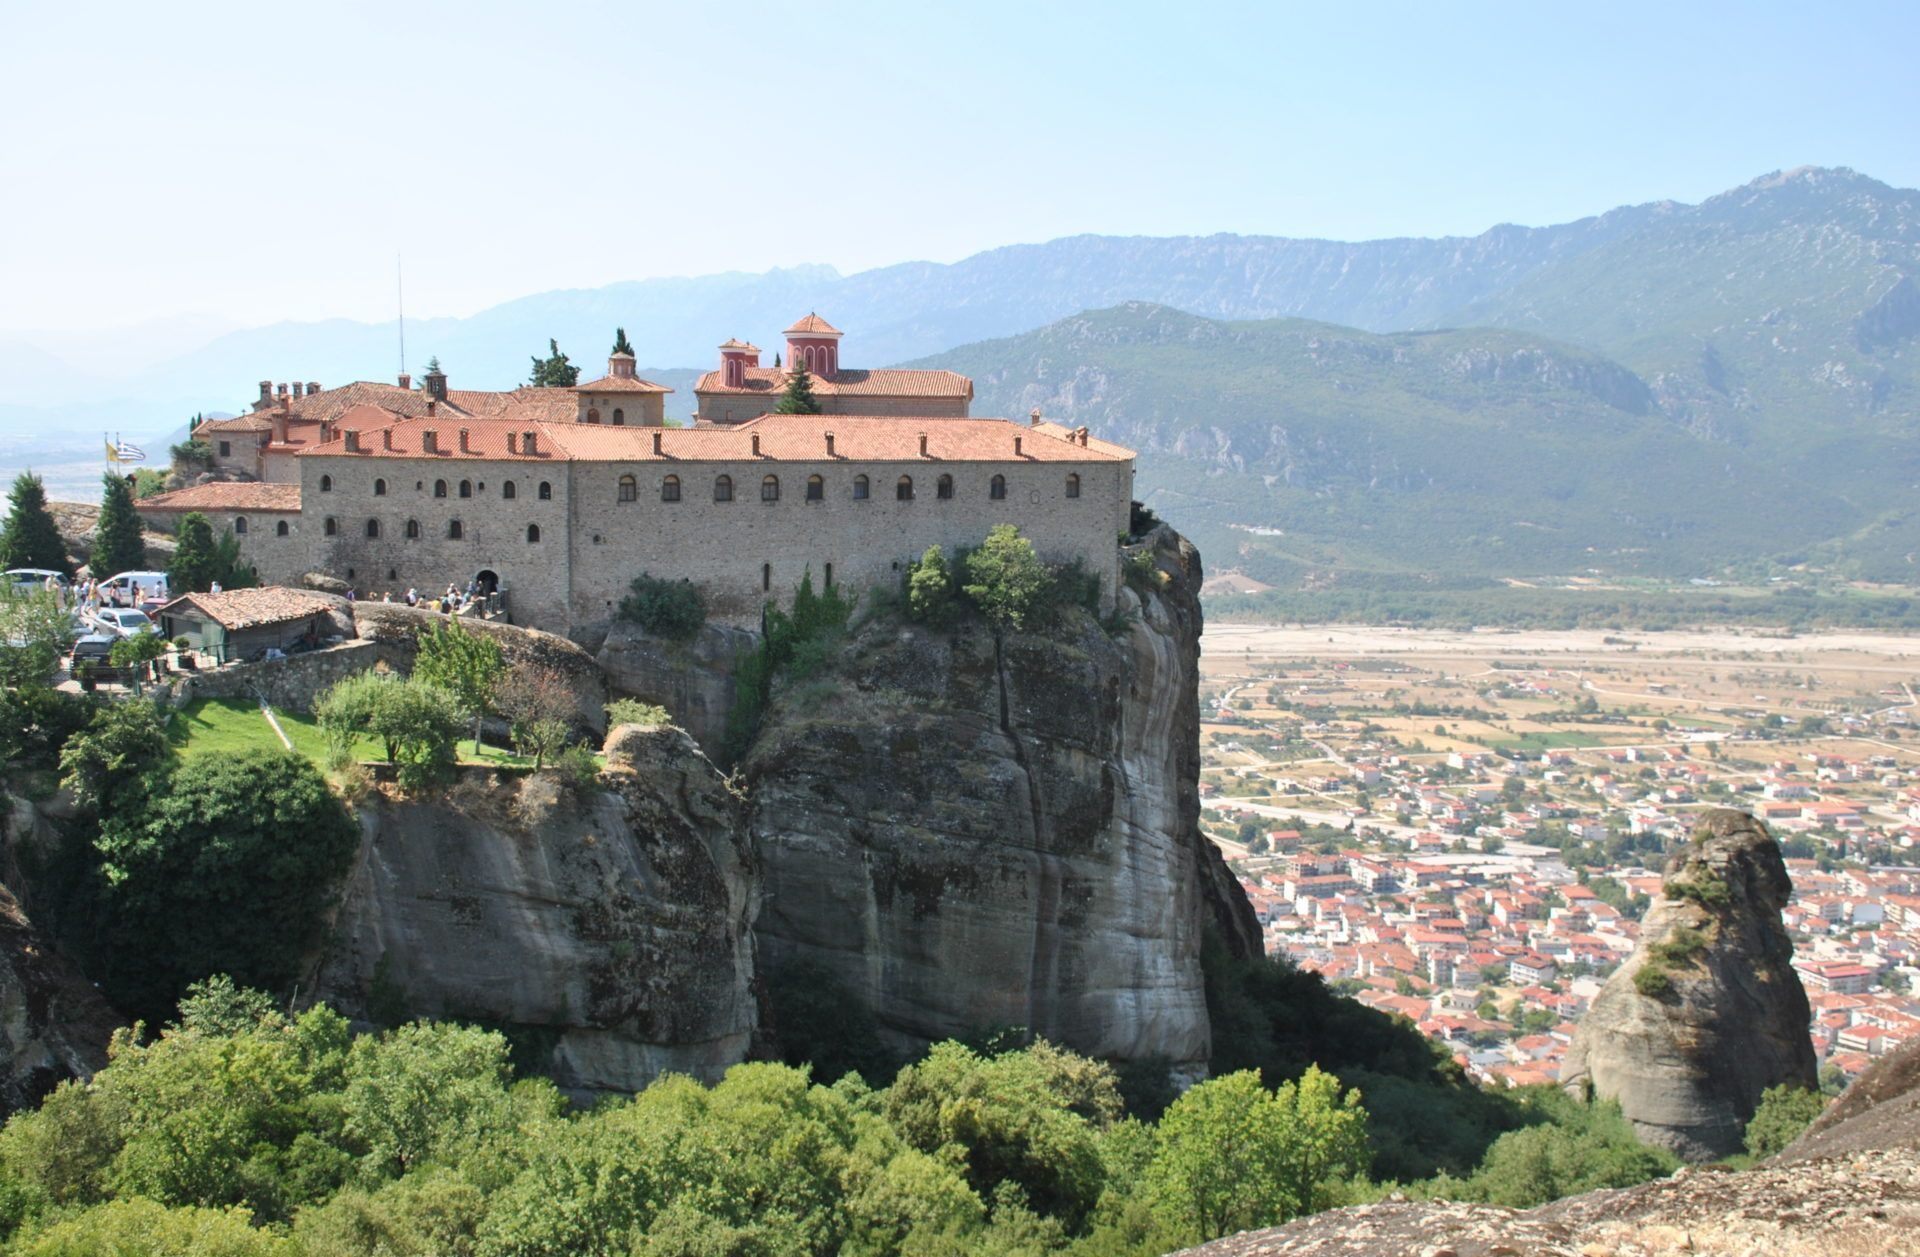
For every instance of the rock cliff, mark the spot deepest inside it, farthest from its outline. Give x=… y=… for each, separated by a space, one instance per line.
x=692 y=679
x=610 y=928
x=1708 y=1012
x=53 y=1024
x=972 y=833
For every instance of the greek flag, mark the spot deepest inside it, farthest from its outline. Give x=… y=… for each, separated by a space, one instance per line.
x=128 y=452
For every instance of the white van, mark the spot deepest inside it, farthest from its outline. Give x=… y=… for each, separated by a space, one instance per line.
x=27 y=580
x=119 y=590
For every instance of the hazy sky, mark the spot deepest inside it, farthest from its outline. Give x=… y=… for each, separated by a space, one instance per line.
x=264 y=161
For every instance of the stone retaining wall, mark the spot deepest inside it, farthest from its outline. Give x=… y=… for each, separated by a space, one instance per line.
x=290 y=683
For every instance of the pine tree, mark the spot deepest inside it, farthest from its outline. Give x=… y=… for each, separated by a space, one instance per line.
x=554 y=371
x=621 y=345
x=798 y=398
x=194 y=556
x=117 y=546
x=31 y=539
x=776 y=362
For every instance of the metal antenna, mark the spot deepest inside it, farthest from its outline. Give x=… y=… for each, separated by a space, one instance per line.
x=400 y=299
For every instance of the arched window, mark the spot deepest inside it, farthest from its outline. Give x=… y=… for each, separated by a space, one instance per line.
x=413 y=530
x=903 y=492
x=239 y=525
x=766 y=577
x=860 y=488
x=508 y=490
x=439 y=488
x=770 y=489
x=466 y=488
x=670 y=489
x=816 y=489
x=723 y=488
x=379 y=488
x=533 y=534
x=373 y=528
x=326 y=484
x=997 y=489
x=454 y=531
x=943 y=488
x=281 y=530
x=593 y=416
x=629 y=489
x=331 y=527
x=1073 y=484
x=619 y=417
x=546 y=491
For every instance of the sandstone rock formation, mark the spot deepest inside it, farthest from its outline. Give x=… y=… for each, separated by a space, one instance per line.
x=693 y=680
x=971 y=833
x=1708 y=1012
x=612 y=927
x=53 y=1024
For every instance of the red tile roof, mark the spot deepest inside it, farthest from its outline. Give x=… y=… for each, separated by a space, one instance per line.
x=554 y=404
x=813 y=325
x=250 y=608
x=226 y=495
x=626 y=384
x=734 y=343
x=782 y=438
x=885 y=382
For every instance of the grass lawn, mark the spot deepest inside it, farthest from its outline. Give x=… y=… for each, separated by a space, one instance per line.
x=226 y=725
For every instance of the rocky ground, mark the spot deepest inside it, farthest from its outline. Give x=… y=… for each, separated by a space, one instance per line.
x=1850 y=1187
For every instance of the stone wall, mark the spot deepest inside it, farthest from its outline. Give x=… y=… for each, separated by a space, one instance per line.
x=278 y=557
x=291 y=683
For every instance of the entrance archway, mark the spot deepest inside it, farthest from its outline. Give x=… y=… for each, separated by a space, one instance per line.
x=486 y=582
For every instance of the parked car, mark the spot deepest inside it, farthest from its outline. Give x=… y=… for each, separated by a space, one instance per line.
x=93 y=648
x=122 y=621
x=124 y=587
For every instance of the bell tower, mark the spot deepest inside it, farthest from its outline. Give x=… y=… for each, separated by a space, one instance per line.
x=815 y=342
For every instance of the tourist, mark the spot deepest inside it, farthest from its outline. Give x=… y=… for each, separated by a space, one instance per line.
x=413 y=596
x=214 y=588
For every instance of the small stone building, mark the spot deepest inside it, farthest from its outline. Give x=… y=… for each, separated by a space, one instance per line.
x=242 y=623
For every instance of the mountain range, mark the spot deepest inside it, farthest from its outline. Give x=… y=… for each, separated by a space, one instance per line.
x=1659 y=387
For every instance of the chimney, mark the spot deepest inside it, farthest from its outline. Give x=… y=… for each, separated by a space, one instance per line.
x=429 y=441
x=923 y=445
x=353 y=440
x=299 y=388
x=313 y=386
x=756 y=445
x=830 y=445
x=279 y=429
x=406 y=381
x=466 y=446
x=1016 y=447
x=513 y=442
x=1079 y=436
x=386 y=438
x=266 y=392
x=656 y=444
x=280 y=390
x=430 y=405
x=326 y=431
x=526 y=442
x=437 y=385
x=1033 y=416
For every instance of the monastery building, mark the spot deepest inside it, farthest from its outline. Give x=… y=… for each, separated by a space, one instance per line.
x=560 y=497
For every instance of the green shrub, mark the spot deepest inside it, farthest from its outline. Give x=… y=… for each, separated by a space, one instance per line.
x=1653 y=980
x=931 y=589
x=1785 y=1111
x=799 y=643
x=226 y=865
x=578 y=767
x=631 y=711
x=1707 y=889
x=1005 y=579
x=672 y=609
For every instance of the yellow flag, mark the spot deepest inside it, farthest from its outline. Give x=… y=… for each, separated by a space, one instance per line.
x=113 y=454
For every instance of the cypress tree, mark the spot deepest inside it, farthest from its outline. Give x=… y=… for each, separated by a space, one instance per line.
x=117 y=546
x=798 y=399
x=621 y=345
x=194 y=557
x=554 y=371
x=31 y=538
